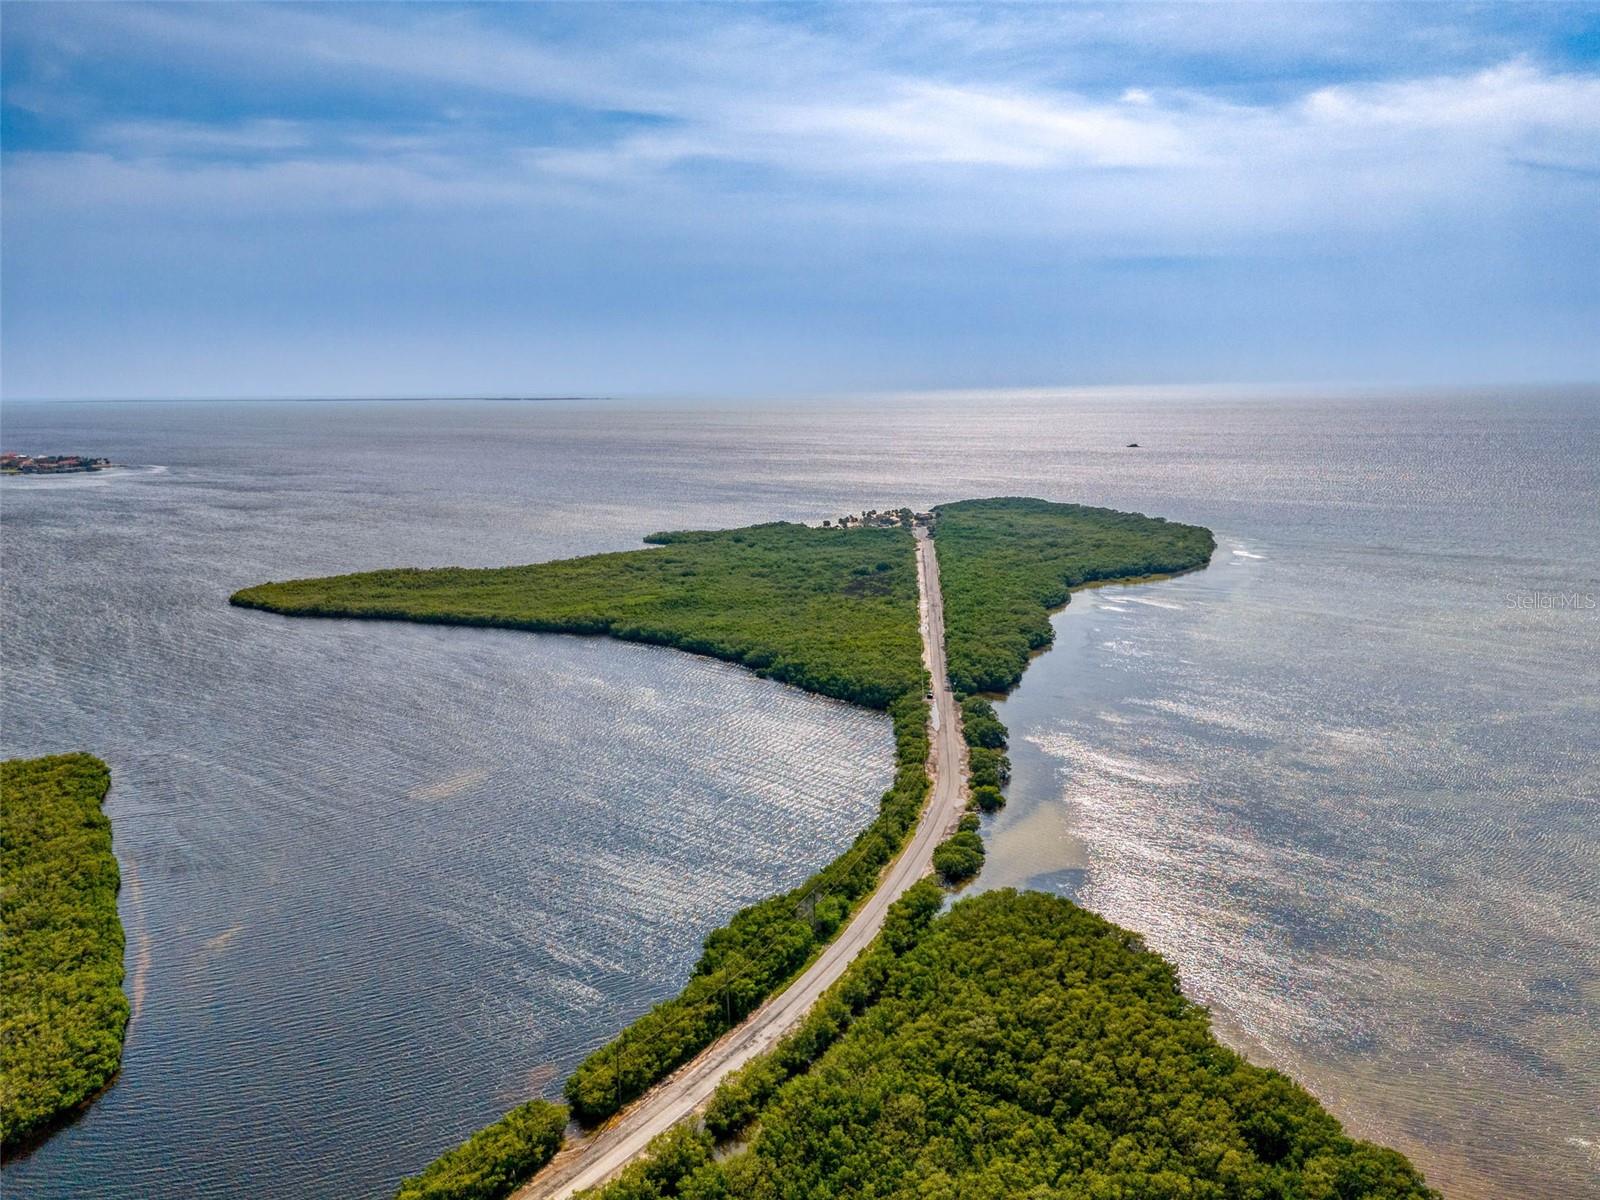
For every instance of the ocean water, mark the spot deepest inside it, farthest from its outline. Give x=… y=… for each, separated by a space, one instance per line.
x=382 y=881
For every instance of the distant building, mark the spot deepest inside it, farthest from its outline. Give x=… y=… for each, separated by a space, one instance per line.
x=12 y=463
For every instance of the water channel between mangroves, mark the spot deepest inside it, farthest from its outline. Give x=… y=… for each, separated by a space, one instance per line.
x=383 y=880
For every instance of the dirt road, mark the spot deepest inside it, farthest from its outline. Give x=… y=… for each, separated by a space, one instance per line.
x=592 y=1160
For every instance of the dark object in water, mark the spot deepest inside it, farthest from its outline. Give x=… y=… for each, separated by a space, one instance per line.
x=1132 y=446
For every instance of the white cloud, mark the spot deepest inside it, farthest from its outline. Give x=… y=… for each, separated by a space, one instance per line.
x=816 y=126
x=1511 y=97
x=925 y=122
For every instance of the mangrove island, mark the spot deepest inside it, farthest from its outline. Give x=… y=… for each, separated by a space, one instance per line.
x=62 y=1009
x=1016 y=1044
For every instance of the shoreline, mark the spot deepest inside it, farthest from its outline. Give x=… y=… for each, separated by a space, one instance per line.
x=1356 y=1107
x=1092 y=585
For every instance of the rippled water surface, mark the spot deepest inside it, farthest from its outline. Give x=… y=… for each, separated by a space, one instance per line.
x=381 y=881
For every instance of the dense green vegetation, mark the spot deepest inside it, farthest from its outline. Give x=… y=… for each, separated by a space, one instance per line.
x=988 y=765
x=987 y=768
x=493 y=1162
x=1004 y=564
x=832 y=611
x=62 y=1010
x=1016 y=1046
x=762 y=948
x=959 y=857
x=743 y=1094
x=828 y=610
x=980 y=726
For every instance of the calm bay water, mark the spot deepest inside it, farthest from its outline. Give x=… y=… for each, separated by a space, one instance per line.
x=381 y=881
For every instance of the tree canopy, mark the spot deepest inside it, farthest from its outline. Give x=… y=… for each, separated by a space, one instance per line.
x=494 y=1161
x=833 y=611
x=1016 y=1046
x=829 y=610
x=62 y=1010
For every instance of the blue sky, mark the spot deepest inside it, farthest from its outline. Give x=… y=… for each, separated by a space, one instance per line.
x=286 y=200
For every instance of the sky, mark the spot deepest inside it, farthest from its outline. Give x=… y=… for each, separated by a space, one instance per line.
x=225 y=200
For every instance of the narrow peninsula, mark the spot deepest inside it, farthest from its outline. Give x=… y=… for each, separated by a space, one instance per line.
x=62 y=1009
x=1015 y=1044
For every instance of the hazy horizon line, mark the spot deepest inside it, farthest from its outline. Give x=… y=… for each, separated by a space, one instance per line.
x=1195 y=390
